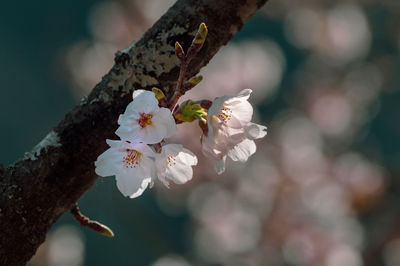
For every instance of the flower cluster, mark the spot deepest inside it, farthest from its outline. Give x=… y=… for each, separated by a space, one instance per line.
x=142 y=155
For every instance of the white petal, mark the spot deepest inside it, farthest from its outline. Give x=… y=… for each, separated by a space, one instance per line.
x=178 y=150
x=144 y=185
x=172 y=149
x=161 y=165
x=242 y=111
x=150 y=134
x=179 y=170
x=225 y=138
x=209 y=151
x=164 y=118
x=153 y=133
x=143 y=148
x=130 y=133
x=162 y=126
x=219 y=165
x=108 y=162
x=149 y=167
x=255 y=131
x=242 y=151
x=218 y=102
x=214 y=123
x=131 y=183
x=104 y=167
x=130 y=114
x=245 y=94
x=144 y=101
x=216 y=106
x=187 y=157
x=180 y=173
x=136 y=93
x=114 y=143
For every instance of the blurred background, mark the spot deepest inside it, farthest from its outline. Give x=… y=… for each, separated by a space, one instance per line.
x=323 y=187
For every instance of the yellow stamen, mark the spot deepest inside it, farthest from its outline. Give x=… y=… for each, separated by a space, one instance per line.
x=225 y=115
x=131 y=160
x=145 y=120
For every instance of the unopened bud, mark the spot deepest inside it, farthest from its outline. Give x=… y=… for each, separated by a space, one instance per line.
x=198 y=41
x=190 y=111
x=179 y=51
x=192 y=82
x=159 y=93
x=196 y=80
x=94 y=225
x=160 y=96
x=105 y=230
x=201 y=34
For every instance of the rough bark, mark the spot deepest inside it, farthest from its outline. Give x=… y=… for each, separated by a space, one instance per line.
x=46 y=182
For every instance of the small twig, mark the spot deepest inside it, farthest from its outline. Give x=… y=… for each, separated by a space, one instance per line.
x=185 y=59
x=94 y=225
x=178 y=89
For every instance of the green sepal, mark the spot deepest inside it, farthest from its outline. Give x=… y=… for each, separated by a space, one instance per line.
x=190 y=111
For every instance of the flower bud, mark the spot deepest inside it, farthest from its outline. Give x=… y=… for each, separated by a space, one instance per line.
x=159 y=93
x=105 y=230
x=198 y=41
x=192 y=82
x=201 y=35
x=190 y=111
x=179 y=51
x=196 y=80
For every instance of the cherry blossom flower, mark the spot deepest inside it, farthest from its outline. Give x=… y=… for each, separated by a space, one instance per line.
x=132 y=165
x=144 y=121
x=230 y=130
x=175 y=163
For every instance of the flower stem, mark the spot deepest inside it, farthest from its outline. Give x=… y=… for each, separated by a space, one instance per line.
x=185 y=59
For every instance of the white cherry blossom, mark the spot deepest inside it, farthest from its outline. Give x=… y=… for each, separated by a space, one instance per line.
x=144 y=121
x=230 y=130
x=174 y=163
x=132 y=165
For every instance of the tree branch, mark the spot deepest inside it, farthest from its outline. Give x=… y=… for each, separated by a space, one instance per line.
x=46 y=182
